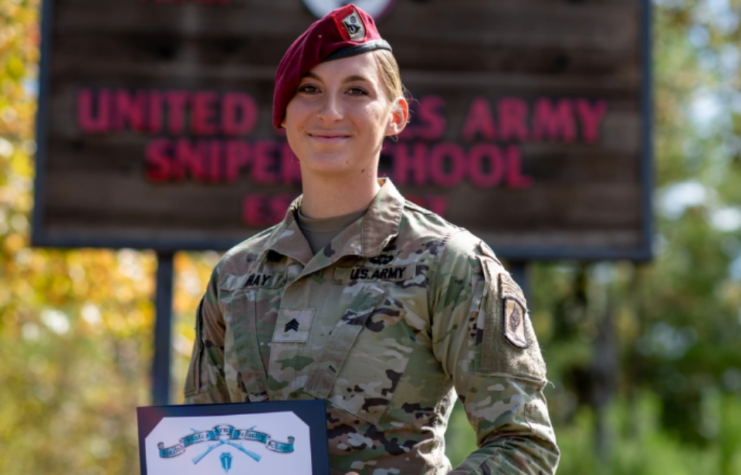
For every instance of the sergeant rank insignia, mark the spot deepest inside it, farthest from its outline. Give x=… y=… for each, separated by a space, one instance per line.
x=515 y=313
x=292 y=325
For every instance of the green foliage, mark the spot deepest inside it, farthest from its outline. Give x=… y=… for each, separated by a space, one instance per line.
x=644 y=449
x=75 y=326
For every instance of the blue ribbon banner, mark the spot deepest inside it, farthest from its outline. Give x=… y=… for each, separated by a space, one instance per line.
x=225 y=432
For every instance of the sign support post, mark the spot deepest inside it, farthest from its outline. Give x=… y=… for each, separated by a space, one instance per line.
x=161 y=379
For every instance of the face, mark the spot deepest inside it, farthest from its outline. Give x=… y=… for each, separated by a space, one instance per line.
x=340 y=114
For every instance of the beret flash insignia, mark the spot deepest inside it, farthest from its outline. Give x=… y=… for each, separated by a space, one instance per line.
x=354 y=26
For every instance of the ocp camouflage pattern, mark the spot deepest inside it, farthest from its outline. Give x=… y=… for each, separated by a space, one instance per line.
x=400 y=313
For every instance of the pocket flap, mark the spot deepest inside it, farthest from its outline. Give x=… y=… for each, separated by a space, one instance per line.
x=342 y=339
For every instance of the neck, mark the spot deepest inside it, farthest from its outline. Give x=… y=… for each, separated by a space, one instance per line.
x=326 y=197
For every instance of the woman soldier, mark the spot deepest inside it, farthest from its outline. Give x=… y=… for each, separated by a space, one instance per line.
x=361 y=298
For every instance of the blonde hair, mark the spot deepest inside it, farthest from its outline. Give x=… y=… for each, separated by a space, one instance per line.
x=390 y=75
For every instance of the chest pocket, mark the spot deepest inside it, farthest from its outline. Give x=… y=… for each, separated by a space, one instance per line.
x=251 y=303
x=365 y=357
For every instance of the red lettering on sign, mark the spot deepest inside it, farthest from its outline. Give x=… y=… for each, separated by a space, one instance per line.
x=417 y=200
x=237 y=156
x=129 y=109
x=479 y=121
x=92 y=115
x=154 y=124
x=485 y=165
x=157 y=160
x=278 y=206
x=190 y=158
x=176 y=101
x=239 y=113
x=426 y=119
x=404 y=163
x=447 y=164
x=290 y=167
x=260 y=210
x=591 y=116
x=264 y=164
x=252 y=211
x=219 y=161
x=436 y=204
x=512 y=119
x=553 y=121
x=431 y=114
x=515 y=178
x=204 y=113
x=214 y=161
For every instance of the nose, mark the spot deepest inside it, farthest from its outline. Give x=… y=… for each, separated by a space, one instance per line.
x=330 y=109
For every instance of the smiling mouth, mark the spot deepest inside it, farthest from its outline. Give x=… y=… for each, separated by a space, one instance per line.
x=328 y=137
x=329 y=140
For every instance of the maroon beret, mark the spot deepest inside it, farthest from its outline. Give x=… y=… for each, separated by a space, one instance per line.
x=343 y=32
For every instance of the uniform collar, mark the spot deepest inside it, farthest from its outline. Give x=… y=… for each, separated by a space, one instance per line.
x=366 y=238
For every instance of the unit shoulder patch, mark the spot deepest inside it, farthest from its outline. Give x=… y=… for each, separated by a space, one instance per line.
x=514 y=323
x=514 y=312
x=509 y=344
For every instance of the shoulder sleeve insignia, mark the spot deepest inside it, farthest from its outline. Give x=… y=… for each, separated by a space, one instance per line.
x=514 y=312
x=509 y=344
x=514 y=323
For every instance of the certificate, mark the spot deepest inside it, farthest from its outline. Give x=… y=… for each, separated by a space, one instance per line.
x=265 y=438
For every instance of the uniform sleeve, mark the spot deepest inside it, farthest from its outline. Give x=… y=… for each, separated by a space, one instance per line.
x=205 y=383
x=485 y=341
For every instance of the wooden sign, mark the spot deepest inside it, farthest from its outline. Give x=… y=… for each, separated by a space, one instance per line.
x=531 y=123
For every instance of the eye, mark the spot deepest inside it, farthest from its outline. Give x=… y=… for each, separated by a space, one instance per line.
x=357 y=91
x=308 y=89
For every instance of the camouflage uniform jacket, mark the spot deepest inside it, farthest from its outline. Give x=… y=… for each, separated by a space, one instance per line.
x=401 y=311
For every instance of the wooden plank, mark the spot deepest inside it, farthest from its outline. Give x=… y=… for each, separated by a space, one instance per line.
x=604 y=26
x=600 y=205
x=154 y=51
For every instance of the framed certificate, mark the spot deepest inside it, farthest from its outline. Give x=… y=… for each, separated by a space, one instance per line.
x=265 y=438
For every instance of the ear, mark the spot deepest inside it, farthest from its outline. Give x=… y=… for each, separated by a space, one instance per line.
x=399 y=117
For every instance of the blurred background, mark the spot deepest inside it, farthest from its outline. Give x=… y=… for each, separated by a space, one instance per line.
x=644 y=359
